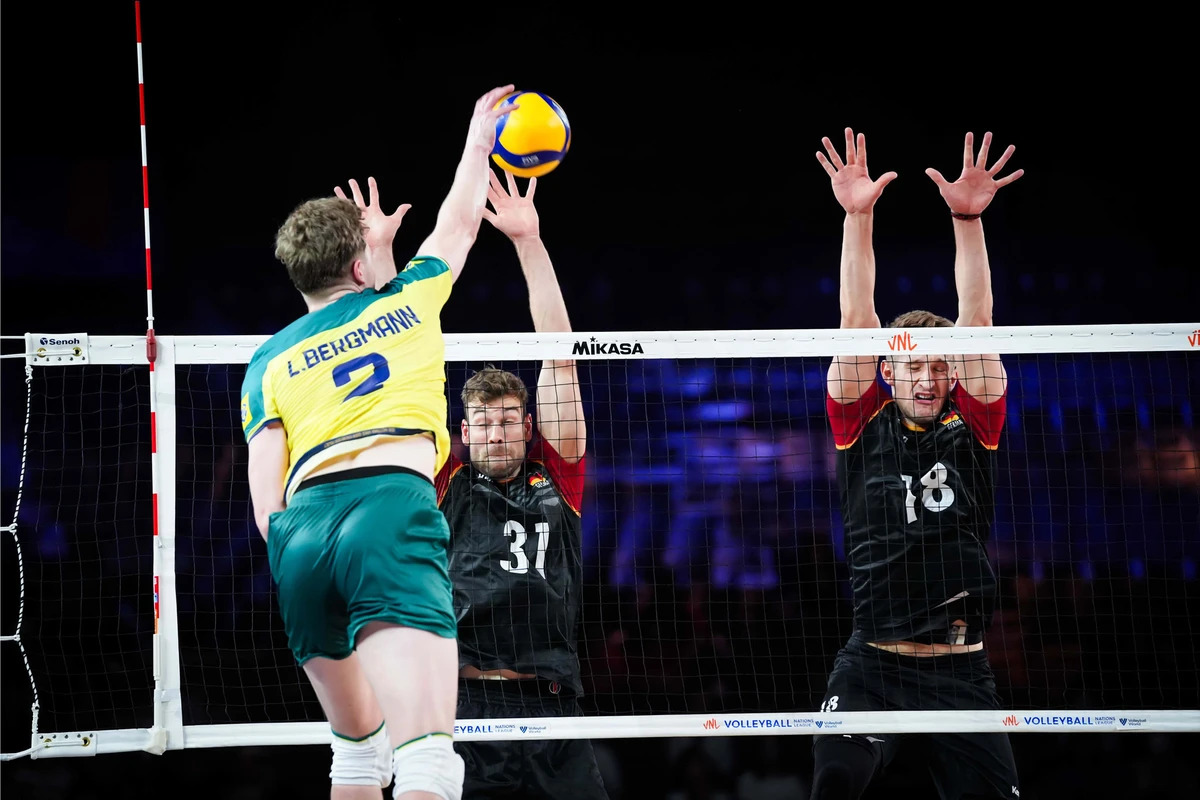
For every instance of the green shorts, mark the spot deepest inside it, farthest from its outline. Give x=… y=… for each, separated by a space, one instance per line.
x=356 y=550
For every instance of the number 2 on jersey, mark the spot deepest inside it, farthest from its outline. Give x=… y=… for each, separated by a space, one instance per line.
x=515 y=531
x=933 y=481
x=379 y=374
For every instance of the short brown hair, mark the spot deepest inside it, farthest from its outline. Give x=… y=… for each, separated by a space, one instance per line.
x=920 y=319
x=319 y=241
x=490 y=384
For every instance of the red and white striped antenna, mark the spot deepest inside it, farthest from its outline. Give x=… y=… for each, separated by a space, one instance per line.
x=151 y=357
x=151 y=347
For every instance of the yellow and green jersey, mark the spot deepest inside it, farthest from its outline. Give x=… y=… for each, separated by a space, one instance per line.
x=368 y=365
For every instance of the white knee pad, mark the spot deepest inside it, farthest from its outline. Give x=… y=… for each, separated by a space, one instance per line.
x=429 y=764
x=362 y=762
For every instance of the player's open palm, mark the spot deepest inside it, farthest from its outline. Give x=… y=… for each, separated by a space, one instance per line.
x=852 y=186
x=977 y=184
x=380 y=227
x=512 y=214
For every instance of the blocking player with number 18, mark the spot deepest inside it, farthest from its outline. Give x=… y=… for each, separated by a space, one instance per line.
x=916 y=476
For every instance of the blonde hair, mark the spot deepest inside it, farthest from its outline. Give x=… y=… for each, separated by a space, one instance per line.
x=920 y=319
x=319 y=241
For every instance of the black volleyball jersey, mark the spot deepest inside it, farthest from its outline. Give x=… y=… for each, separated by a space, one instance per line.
x=917 y=508
x=515 y=562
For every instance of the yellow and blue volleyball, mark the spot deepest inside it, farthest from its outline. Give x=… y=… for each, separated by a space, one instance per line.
x=533 y=139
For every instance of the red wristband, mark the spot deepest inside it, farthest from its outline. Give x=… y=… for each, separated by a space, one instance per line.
x=965 y=216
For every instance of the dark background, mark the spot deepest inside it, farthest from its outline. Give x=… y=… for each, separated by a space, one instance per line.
x=690 y=200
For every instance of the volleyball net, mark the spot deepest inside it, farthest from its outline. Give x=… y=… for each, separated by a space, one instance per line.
x=715 y=592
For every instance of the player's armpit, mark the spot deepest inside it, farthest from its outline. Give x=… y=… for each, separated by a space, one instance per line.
x=267 y=469
x=850 y=377
x=847 y=420
x=982 y=376
x=985 y=419
x=568 y=476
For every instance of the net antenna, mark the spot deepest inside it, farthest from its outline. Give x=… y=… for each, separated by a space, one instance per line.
x=165 y=702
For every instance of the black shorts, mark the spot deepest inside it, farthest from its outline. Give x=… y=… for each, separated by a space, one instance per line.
x=865 y=678
x=549 y=769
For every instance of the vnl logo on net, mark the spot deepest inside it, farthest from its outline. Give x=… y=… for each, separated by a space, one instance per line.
x=1194 y=338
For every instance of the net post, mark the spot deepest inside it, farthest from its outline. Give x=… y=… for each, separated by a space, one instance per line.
x=167 y=733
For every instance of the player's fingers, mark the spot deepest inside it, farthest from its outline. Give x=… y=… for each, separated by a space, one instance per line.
x=358 y=198
x=501 y=91
x=1002 y=160
x=862 y=150
x=968 y=155
x=402 y=210
x=884 y=180
x=494 y=182
x=512 y=184
x=825 y=163
x=530 y=188
x=373 y=188
x=851 y=156
x=338 y=191
x=489 y=216
x=936 y=176
x=1005 y=181
x=497 y=113
x=834 y=158
x=493 y=197
x=981 y=161
x=491 y=98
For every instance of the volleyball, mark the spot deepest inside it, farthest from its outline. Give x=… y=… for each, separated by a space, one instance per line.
x=533 y=139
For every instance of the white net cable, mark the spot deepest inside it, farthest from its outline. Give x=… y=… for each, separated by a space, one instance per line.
x=11 y=528
x=714 y=591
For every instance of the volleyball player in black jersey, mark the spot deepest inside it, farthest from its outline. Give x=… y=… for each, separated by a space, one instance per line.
x=916 y=471
x=515 y=547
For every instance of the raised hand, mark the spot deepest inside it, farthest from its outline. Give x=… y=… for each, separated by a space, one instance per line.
x=482 y=130
x=380 y=227
x=852 y=186
x=976 y=186
x=513 y=215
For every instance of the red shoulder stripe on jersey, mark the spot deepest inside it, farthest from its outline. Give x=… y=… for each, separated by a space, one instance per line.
x=848 y=420
x=567 y=477
x=986 y=420
x=442 y=480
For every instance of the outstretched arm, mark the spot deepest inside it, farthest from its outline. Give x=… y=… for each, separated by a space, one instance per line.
x=849 y=377
x=559 y=406
x=983 y=377
x=379 y=229
x=458 y=218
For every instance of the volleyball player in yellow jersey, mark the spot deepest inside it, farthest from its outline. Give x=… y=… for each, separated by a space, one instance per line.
x=345 y=414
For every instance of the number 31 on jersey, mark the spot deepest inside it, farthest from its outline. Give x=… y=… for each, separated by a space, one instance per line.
x=515 y=533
